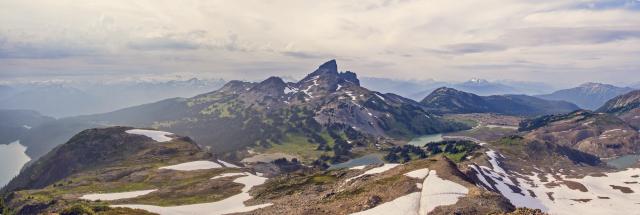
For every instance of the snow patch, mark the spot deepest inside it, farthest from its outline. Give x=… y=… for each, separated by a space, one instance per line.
x=407 y=205
x=193 y=165
x=350 y=94
x=159 y=136
x=224 y=175
x=116 y=196
x=555 y=197
x=437 y=192
x=288 y=90
x=357 y=168
x=493 y=159
x=418 y=174
x=376 y=170
x=233 y=204
x=226 y=164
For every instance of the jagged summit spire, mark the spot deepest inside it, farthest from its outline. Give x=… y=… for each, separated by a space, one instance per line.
x=329 y=65
x=327 y=68
x=327 y=78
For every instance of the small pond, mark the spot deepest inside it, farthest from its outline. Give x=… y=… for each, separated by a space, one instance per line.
x=623 y=162
x=421 y=140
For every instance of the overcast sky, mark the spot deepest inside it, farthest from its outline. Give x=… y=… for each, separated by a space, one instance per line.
x=555 y=41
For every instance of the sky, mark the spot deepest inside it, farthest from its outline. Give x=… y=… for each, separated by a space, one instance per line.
x=554 y=41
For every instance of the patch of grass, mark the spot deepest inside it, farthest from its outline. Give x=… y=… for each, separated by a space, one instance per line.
x=350 y=193
x=510 y=141
x=457 y=157
x=221 y=109
x=330 y=141
x=298 y=145
x=469 y=122
x=323 y=179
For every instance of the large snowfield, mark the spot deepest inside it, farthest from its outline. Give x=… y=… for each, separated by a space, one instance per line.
x=599 y=195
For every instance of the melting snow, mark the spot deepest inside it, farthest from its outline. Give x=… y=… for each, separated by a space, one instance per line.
x=194 y=165
x=224 y=175
x=379 y=96
x=407 y=205
x=233 y=204
x=226 y=164
x=493 y=159
x=437 y=192
x=555 y=197
x=419 y=174
x=288 y=90
x=160 y=136
x=376 y=170
x=357 y=167
x=116 y=196
x=350 y=94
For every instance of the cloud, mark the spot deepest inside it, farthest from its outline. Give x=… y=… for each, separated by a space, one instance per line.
x=469 y=48
x=441 y=40
x=163 y=43
x=44 y=50
x=306 y=55
x=567 y=36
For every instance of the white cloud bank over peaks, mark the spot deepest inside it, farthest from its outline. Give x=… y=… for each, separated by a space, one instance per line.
x=571 y=41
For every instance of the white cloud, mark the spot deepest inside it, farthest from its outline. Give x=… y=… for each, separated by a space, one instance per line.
x=493 y=39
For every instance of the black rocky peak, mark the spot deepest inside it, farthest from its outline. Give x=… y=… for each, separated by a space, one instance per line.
x=327 y=79
x=327 y=69
x=350 y=77
x=329 y=66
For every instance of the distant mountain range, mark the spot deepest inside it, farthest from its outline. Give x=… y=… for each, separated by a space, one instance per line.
x=327 y=107
x=417 y=89
x=72 y=99
x=451 y=101
x=589 y=95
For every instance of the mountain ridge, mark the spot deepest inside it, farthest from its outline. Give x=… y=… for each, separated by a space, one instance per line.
x=245 y=114
x=449 y=101
x=588 y=95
